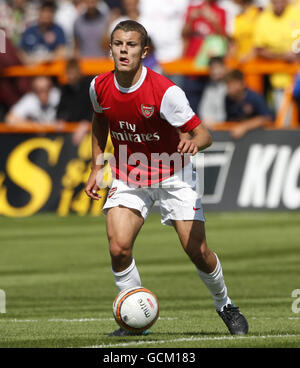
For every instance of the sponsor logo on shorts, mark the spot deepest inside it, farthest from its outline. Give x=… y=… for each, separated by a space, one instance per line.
x=196 y=209
x=112 y=192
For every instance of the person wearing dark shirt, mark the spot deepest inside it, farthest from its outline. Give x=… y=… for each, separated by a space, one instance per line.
x=44 y=41
x=244 y=106
x=75 y=101
x=89 y=29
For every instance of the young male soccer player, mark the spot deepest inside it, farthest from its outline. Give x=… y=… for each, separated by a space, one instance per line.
x=145 y=112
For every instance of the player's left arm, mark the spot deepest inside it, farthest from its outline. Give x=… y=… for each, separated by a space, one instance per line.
x=176 y=109
x=194 y=141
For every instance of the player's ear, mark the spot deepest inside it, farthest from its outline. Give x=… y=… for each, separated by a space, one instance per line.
x=110 y=52
x=145 y=52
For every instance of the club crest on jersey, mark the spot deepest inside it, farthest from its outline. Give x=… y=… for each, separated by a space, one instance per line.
x=147 y=110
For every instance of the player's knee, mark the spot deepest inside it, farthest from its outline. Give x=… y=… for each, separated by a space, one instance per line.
x=119 y=250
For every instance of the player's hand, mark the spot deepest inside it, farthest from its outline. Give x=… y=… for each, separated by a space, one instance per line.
x=92 y=187
x=187 y=146
x=238 y=131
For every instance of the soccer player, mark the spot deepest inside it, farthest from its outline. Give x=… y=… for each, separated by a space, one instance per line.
x=151 y=121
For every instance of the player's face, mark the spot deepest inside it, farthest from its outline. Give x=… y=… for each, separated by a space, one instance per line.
x=126 y=50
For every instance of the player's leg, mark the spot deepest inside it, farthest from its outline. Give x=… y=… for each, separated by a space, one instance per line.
x=192 y=237
x=123 y=225
x=126 y=209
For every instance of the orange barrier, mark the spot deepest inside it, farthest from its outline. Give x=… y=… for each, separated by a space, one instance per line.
x=35 y=128
x=253 y=71
x=57 y=68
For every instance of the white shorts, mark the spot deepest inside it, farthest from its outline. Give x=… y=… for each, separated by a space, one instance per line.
x=177 y=198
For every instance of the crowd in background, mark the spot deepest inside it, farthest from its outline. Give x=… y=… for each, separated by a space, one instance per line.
x=206 y=31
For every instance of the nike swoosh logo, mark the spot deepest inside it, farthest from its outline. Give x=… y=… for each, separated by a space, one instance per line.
x=105 y=108
x=196 y=209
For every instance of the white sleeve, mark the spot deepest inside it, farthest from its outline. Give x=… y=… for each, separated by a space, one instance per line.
x=175 y=107
x=93 y=96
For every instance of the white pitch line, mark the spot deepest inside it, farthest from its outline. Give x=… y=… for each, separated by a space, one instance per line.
x=15 y=320
x=97 y=319
x=79 y=319
x=188 y=339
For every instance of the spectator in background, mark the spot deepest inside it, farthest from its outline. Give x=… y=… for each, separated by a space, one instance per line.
x=212 y=104
x=89 y=30
x=241 y=46
x=74 y=104
x=232 y=9
x=203 y=21
x=38 y=106
x=44 y=41
x=66 y=13
x=164 y=20
x=16 y=16
x=273 y=41
x=244 y=106
x=11 y=89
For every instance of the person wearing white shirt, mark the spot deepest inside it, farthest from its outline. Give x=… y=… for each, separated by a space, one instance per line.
x=211 y=108
x=164 y=20
x=38 y=106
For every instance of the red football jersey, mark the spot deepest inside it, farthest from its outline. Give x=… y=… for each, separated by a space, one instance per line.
x=143 y=121
x=201 y=27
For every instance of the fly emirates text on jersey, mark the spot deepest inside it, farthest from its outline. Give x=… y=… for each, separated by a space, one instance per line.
x=128 y=133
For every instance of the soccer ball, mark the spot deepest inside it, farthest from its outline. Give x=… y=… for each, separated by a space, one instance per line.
x=136 y=309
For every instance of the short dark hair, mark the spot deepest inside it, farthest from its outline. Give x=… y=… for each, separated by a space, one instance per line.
x=216 y=59
x=131 y=25
x=51 y=5
x=72 y=63
x=234 y=74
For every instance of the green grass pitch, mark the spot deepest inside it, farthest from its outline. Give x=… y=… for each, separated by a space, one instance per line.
x=59 y=289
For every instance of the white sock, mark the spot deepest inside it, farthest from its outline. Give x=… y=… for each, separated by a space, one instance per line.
x=127 y=278
x=215 y=283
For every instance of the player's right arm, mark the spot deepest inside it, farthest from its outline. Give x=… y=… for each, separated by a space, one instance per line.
x=100 y=130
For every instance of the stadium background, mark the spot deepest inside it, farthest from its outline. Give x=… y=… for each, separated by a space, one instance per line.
x=42 y=201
